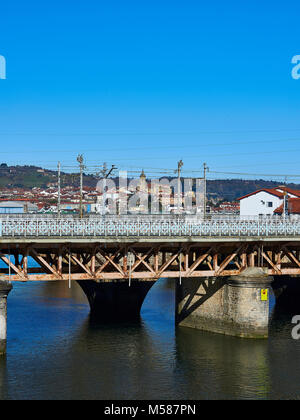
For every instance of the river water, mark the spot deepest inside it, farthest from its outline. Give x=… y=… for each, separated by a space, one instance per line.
x=56 y=352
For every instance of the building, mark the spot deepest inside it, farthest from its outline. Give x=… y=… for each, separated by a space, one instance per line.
x=17 y=207
x=265 y=201
x=292 y=208
x=225 y=207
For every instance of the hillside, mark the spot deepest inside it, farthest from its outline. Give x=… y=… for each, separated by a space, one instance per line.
x=231 y=189
x=31 y=176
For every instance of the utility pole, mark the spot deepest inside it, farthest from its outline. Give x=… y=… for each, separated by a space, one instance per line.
x=205 y=169
x=285 y=200
x=285 y=207
x=179 y=203
x=113 y=167
x=80 y=161
x=58 y=192
x=105 y=174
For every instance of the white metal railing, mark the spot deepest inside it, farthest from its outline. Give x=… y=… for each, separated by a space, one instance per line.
x=101 y=227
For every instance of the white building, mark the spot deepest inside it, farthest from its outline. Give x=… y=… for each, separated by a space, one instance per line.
x=265 y=201
x=17 y=207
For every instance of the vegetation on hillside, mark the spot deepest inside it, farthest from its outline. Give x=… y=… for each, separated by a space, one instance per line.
x=32 y=176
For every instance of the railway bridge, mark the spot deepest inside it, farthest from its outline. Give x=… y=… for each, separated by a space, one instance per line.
x=223 y=269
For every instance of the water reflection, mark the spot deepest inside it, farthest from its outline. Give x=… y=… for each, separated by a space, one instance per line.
x=214 y=366
x=117 y=362
x=3 y=377
x=55 y=351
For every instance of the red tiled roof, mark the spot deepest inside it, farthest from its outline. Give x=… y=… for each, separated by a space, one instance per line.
x=289 y=190
x=272 y=191
x=293 y=205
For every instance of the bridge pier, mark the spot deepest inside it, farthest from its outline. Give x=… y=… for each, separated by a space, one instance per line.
x=232 y=306
x=116 y=300
x=5 y=288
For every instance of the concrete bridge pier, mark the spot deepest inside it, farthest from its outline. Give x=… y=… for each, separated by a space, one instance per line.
x=237 y=305
x=115 y=300
x=5 y=288
x=248 y=303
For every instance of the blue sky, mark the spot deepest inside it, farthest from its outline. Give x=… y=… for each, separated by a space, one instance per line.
x=143 y=84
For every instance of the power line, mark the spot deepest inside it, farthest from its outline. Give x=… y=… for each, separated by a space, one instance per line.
x=170 y=172
x=160 y=147
x=145 y=133
x=94 y=170
x=249 y=174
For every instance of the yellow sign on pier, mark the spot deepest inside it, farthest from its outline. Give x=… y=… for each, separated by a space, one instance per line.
x=264 y=294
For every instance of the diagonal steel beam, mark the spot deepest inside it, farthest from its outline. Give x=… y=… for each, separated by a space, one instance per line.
x=265 y=256
x=167 y=263
x=198 y=261
x=111 y=260
x=13 y=267
x=290 y=255
x=39 y=259
x=228 y=259
x=142 y=260
x=86 y=269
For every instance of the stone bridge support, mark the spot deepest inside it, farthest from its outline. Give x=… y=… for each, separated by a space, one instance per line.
x=233 y=306
x=116 y=300
x=5 y=288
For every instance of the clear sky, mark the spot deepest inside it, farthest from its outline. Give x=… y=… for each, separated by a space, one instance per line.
x=143 y=84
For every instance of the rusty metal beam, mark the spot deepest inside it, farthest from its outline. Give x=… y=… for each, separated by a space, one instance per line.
x=40 y=260
x=265 y=256
x=228 y=259
x=109 y=263
x=19 y=273
x=199 y=260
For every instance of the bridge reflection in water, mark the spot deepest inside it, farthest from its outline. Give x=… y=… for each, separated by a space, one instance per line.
x=56 y=351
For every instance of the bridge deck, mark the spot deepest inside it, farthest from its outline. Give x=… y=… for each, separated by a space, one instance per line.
x=75 y=249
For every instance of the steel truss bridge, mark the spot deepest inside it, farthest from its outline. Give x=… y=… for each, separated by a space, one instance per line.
x=125 y=249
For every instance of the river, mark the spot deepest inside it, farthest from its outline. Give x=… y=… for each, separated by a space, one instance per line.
x=55 y=352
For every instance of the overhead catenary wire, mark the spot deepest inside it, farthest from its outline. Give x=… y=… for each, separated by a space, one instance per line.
x=157 y=147
x=93 y=169
x=122 y=131
x=255 y=174
x=170 y=172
